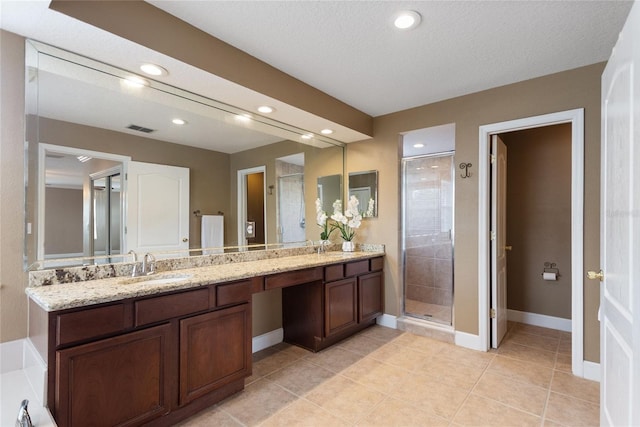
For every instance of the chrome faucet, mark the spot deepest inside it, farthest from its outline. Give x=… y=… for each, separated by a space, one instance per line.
x=148 y=264
x=134 y=271
x=23 y=420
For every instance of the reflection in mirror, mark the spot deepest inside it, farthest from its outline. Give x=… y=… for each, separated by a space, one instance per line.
x=364 y=185
x=85 y=106
x=329 y=190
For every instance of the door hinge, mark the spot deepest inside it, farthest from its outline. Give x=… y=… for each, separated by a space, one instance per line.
x=492 y=313
x=492 y=158
x=493 y=235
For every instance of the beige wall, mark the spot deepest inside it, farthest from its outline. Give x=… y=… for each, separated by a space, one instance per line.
x=13 y=301
x=539 y=219
x=579 y=88
x=63 y=221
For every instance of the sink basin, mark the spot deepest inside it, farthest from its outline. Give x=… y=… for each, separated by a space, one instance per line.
x=163 y=279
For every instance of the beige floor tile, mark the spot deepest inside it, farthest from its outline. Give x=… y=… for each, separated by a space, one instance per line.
x=536 y=341
x=334 y=358
x=257 y=402
x=566 y=383
x=300 y=377
x=569 y=411
x=564 y=347
x=377 y=375
x=520 y=395
x=210 y=417
x=550 y=423
x=361 y=344
x=465 y=356
x=563 y=363
x=397 y=355
x=381 y=333
x=422 y=344
x=521 y=370
x=431 y=394
x=452 y=372
x=304 y=414
x=270 y=360
x=479 y=411
x=529 y=354
x=345 y=398
x=538 y=330
x=394 y=412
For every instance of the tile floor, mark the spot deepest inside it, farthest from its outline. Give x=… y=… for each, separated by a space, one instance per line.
x=386 y=377
x=425 y=310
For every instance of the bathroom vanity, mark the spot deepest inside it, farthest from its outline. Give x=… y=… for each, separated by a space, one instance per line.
x=127 y=352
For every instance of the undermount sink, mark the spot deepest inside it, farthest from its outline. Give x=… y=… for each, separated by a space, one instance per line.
x=153 y=279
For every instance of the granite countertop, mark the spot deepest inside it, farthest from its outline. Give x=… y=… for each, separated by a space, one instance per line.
x=79 y=294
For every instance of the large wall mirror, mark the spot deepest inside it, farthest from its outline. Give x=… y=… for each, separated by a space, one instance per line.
x=92 y=132
x=364 y=185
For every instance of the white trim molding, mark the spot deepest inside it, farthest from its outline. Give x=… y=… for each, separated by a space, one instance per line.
x=576 y=118
x=591 y=371
x=542 y=320
x=388 y=320
x=267 y=340
x=471 y=341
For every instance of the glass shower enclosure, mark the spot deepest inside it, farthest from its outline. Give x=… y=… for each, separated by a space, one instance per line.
x=428 y=203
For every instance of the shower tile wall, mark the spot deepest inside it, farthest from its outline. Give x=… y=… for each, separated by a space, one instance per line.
x=428 y=223
x=290 y=202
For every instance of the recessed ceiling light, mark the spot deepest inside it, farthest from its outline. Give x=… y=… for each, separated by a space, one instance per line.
x=307 y=136
x=136 y=81
x=178 y=121
x=407 y=19
x=266 y=109
x=418 y=145
x=435 y=167
x=326 y=131
x=154 y=70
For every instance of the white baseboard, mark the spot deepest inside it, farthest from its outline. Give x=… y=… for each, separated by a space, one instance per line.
x=267 y=340
x=388 y=320
x=540 y=320
x=471 y=341
x=591 y=371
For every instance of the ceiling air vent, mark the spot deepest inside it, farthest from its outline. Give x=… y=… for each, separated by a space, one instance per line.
x=140 y=128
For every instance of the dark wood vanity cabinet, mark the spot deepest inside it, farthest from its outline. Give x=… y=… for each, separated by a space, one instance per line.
x=153 y=360
x=350 y=298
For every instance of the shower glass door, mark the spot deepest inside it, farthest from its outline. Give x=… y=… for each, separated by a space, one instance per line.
x=428 y=196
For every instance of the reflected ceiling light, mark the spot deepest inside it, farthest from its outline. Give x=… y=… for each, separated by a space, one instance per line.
x=83 y=159
x=307 y=136
x=154 y=70
x=326 y=131
x=435 y=167
x=136 y=81
x=407 y=19
x=266 y=109
x=243 y=117
x=418 y=145
x=178 y=121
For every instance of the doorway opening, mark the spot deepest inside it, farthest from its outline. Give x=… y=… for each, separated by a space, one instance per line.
x=251 y=208
x=575 y=118
x=290 y=196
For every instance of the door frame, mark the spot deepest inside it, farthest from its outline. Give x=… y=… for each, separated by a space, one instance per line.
x=242 y=201
x=576 y=118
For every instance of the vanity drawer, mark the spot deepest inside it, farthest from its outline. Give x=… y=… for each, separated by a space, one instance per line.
x=292 y=278
x=355 y=268
x=377 y=263
x=333 y=272
x=90 y=323
x=167 y=307
x=233 y=293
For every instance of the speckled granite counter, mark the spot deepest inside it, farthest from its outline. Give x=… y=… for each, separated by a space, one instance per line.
x=82 y=293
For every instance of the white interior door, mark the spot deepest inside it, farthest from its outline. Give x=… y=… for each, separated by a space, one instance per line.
x=498 y=240
x=157 y=208
x=620 y=231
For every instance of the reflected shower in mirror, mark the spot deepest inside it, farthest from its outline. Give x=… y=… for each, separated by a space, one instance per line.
x=364 y=185
x=329 y=190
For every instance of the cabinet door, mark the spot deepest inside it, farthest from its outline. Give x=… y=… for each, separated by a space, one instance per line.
x=370 y=296
x=215 y=349
x=340 y=309
x=119 y=381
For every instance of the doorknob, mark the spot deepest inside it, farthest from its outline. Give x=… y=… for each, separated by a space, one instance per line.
x=185 y=239
x=508 y=248
x=595 y=275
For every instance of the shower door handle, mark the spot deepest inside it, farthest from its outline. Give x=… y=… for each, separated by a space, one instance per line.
x=508 y=248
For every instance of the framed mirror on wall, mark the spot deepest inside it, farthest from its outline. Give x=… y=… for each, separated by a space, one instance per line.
x=364 y=185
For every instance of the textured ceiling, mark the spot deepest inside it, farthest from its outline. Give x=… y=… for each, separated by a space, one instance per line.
x=350 y=50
